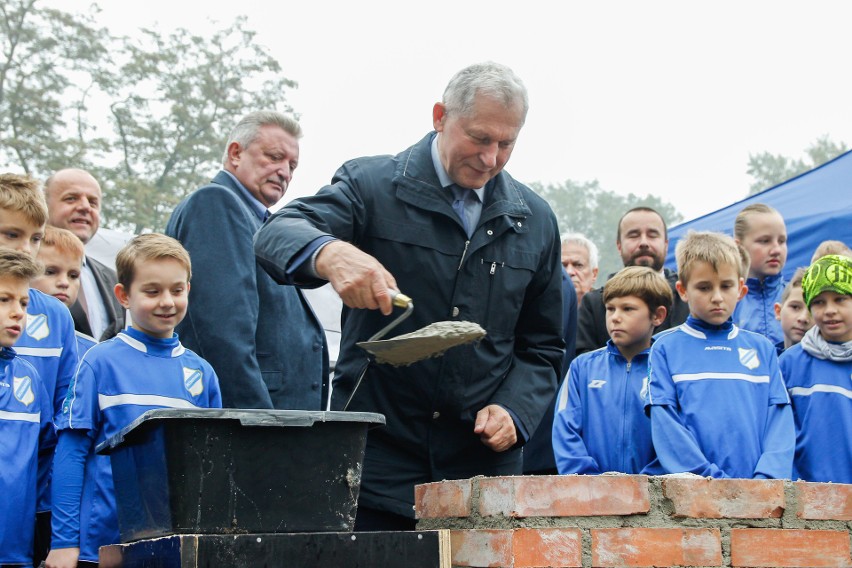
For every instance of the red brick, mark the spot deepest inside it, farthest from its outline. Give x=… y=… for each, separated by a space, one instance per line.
x=518 y=548
x=539 y=548
x=789 y=547
x=442 y=499
x=481 y=548
x=564 y=496
x=725 y=498
x=832 y=501
x=656 y=547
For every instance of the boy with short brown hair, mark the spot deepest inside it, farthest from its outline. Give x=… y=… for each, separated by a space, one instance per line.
x=142 y=368
x=48 y=341
x=600 y=424
x=717 y=401
x=792 y=312
x=61 y=253
x=26 y=412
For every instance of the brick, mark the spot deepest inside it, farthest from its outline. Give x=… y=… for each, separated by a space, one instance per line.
x=725 y=498
x=539 y=548
x=443 y=499
x=518 y=548
x=564 y=496
x=824 y=501
x=656 y=547
x=481 y=548
x=789 y=547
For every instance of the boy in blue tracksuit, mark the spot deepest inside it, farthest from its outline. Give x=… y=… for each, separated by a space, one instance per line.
x=600 y=424
x=142 y=368
x=61 y=253
x=817 y=371
x=716 y=398
x=792 y=313
x=26 y=412
x=47 y=341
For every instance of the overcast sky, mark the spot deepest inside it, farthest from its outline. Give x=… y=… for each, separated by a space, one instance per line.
x=662 y=97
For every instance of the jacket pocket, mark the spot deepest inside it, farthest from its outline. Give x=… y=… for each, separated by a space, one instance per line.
x=508 y=279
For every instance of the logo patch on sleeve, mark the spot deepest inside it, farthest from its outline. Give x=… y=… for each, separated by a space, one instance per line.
x=37 y=326
x=23 y=389
x=192 y=381
x=749 y=358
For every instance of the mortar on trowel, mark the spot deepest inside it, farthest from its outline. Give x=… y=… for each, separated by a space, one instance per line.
x=429 y=341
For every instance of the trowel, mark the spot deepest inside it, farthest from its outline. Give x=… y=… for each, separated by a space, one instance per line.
x=429 y=341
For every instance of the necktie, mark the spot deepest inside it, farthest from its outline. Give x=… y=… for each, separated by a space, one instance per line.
x=460 y=196
x=81 y=298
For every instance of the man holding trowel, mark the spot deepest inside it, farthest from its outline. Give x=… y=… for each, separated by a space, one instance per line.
x=444 y=224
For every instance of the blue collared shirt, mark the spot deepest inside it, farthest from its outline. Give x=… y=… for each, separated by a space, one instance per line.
x=472 y=207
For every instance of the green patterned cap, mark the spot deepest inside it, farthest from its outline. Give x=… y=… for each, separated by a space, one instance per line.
x=831 y=272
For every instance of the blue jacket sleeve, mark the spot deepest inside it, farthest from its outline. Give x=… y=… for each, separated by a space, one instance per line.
x=46 y=442
x=71 y=452
x=676 y=447
x=779 y=444
x=224 y=305
x=569 y=449
x=67 y=360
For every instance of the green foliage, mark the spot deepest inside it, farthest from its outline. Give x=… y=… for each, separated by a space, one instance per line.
x=50 y=62
x=164 y=103
x=769 y=170
x=167 y=144
x=585 y=207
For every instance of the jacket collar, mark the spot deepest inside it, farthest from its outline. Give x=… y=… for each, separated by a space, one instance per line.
x=227 y=180
x=418 y=184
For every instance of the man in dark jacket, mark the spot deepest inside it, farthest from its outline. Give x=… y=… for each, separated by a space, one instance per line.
x=74 y=202
x=642 y=240
x=263 y=339
x=442 y=223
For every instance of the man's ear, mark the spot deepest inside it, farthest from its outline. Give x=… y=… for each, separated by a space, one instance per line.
x=121 y=294
x=235 y=152
x=439 y=113
x=777 y=311
x=659 y=315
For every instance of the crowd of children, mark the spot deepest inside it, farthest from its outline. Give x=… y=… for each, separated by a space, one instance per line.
x=755 y=384
x=710 y=397
x=50 y=390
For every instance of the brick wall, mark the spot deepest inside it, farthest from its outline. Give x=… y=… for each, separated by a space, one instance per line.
x=634 y=520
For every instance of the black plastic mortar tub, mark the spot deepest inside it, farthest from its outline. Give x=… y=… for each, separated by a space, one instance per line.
x=215 y=471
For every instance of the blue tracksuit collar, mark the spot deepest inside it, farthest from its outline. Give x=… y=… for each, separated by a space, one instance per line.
x=613 y=350
x=701 y=328
x=169 y=347
x=769 y=284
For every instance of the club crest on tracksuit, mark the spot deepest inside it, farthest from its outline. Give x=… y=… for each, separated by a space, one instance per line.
x=749 y=358
x=37 y=326
x=23 y=389
x=192 y=381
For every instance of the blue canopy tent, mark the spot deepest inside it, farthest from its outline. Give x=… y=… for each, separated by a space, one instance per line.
x=816 y=206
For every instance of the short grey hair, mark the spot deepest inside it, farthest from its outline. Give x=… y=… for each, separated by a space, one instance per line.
x=247 y=129
x=583 y=241
x=490 y=79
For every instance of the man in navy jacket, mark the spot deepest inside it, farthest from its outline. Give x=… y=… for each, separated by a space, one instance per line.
x=262 y=339
x=443 y=223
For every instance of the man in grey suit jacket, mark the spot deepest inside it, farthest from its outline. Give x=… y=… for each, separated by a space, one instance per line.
x=74 y=202
x=263 y=339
